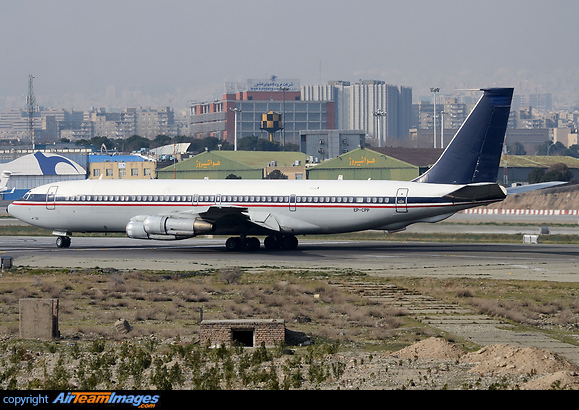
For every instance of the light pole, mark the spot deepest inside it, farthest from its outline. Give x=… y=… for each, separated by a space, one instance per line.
x=379 y=114
x=434 y=90
x=235 y=111
x=442 y=129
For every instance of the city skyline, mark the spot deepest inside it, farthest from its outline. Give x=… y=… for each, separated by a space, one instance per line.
x=147 y=53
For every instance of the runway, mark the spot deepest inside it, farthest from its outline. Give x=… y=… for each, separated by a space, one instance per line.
x=379 y=257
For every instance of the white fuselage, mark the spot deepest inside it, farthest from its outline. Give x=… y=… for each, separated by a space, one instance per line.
x=298 y=207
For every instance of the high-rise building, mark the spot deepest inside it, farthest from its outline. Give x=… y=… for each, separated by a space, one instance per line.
x=383 y=110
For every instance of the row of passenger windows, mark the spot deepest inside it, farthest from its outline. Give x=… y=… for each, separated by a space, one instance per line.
x=129 y=198
x=225 y=198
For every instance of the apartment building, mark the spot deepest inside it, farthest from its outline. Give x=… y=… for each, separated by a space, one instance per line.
x=51 y=125
x=383 y=110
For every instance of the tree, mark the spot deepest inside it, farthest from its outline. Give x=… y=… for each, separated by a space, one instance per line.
x=535 y=175
x=557 y=172
x=517 y=149
x=276 y=174
x=553 y=149
x=135 y=143
x=161 y=140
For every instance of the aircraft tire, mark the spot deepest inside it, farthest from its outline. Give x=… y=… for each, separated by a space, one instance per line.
x=251 y=244
x=63 y=242
x=234 y=244
x=289 y=242
x=271 y=243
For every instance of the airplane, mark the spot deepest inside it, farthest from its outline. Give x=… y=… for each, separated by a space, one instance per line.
x=463 y=177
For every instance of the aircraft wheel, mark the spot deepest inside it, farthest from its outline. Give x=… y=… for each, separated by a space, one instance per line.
x=271 y=243
x=234 y=244
x=63 y=242
x=289 y=242
x=251 y=244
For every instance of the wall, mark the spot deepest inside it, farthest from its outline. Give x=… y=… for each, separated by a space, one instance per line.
x=219 y=332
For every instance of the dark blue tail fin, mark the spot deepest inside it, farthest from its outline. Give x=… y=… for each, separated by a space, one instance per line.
x=474 y=153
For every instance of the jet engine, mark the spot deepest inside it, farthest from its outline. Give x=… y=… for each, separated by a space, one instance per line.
x=166 y=227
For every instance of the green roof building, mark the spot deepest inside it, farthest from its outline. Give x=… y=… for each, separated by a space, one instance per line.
x=364 y=163
x=241 y=164
x=519 y=166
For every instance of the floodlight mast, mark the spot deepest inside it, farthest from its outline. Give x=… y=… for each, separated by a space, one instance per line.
x=434 y=90
x=379 y=114
x=30 y=108
x=236 y=111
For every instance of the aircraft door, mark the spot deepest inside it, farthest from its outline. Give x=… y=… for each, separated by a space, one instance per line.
x=292 y=203
x=51 y=197
x=402 y=200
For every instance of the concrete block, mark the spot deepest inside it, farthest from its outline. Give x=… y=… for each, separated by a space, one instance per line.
x=39 y=319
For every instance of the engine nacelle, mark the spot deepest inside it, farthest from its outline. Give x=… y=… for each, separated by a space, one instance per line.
x=166 y=228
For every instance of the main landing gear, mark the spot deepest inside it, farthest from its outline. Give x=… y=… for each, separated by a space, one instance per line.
x=63 y=242
x=272 y=242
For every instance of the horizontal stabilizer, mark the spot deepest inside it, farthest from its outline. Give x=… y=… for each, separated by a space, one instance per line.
x=478 y=192
x=532 y=187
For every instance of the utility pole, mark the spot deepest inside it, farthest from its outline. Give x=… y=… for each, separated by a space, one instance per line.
x=30 y=108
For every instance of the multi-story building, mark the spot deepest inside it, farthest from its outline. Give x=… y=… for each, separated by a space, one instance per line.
x=121 y=167
x=243 y=107
x=51 y=125
x=383 y=110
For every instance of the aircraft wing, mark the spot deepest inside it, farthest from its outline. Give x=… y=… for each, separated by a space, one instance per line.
x=224 y=217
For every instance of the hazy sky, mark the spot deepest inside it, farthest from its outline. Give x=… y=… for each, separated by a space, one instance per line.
x=190 y=46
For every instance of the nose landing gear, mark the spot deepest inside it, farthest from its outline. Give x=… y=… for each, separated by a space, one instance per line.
x=62 y=242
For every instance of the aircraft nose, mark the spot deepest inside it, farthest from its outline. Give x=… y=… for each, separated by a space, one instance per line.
x=12 y=210
x=8 y=209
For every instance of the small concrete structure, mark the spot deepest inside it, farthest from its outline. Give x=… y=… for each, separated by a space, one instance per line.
x=39 y=319
x=247 y=332
x=530 y=238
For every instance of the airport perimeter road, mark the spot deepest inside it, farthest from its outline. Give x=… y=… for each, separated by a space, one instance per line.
x=499 y=261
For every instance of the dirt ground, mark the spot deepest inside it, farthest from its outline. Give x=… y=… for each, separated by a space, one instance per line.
x=436 y=363
x=561 y=198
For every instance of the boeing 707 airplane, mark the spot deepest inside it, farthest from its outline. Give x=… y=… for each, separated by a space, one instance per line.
x=463 y=177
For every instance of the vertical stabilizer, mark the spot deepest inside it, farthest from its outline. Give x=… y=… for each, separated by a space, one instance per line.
x=474 y=153
x=4 y=177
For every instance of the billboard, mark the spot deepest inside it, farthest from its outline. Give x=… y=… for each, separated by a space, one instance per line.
x=273 y=84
